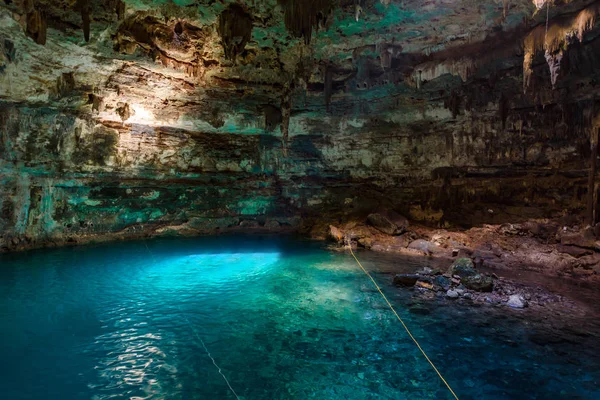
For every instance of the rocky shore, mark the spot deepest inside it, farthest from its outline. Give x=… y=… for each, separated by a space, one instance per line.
x=482 y=265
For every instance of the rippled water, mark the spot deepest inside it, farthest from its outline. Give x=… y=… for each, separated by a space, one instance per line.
x=283 y=319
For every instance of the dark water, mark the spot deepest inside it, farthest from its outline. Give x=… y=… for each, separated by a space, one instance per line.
x=282 y=319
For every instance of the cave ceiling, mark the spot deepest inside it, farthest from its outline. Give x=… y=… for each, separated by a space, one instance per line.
x=219 y=65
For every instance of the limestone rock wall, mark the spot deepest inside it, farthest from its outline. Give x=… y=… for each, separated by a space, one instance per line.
x=159 y=118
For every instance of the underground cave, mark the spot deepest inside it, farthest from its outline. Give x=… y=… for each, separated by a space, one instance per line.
x=299 y=199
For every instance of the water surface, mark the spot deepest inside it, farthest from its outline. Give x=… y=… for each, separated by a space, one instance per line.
x=283 y=319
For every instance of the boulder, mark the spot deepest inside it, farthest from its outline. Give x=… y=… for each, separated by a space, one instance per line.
x=406 y=279
x=366 y=242
x=388 y=222
x=249 y=223
x=462 y=267
x=478 y=282
x=423 y=245
x=272 y=224
x=442 y=282
x=516 y=301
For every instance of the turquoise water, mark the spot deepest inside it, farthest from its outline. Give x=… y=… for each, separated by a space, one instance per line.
x=283 y=319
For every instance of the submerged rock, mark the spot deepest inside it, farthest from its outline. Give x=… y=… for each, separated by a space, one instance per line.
x=406 y=279
x=388 y=222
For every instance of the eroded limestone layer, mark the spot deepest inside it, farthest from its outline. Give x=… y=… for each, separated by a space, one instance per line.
x=131 y=118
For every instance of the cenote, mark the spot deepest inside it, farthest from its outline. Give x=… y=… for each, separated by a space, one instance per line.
x=185 y=184
x=282 y=319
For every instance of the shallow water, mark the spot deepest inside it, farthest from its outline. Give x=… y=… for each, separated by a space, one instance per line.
x=282 y=319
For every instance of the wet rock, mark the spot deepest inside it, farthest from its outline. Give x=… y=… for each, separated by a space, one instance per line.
x=478 y=282
x=403 y=240
x=249 y=223
x=442 y=282
x=272 y=224
x=366 y=242
x=462 y=267
x=406 y=279
x=336 y=234
x=428 y=271
x=584 y=239
x=516 y=301
x=388 y=222
x=424 y=285
x=423 y=245
x=452 y=294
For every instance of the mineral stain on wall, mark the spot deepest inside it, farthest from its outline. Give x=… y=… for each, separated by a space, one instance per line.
x=123 y=119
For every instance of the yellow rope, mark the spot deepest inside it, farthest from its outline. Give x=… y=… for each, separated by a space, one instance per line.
x=403 y=324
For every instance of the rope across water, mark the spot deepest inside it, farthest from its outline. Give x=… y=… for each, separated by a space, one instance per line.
x=404 y=325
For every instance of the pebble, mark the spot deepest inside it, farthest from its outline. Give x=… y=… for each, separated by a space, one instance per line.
x=452 y=294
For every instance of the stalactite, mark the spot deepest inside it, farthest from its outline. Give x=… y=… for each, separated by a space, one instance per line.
x=85 y=17
x=554 y=39
x=36 y=26
x=328 y=81
x=273 y=117
x=286 y=111
x=65 y=84
x=385 y=56
x=594 y=128
x=429 y=71
x=235 y=29
x=120 y=9
x=302 y=16
x=503 y=109
x=357 y=11
x=452 y=103
x=505 y=8
x=553 y=61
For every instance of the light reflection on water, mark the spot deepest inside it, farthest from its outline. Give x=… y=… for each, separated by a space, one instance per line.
x=283 y=319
